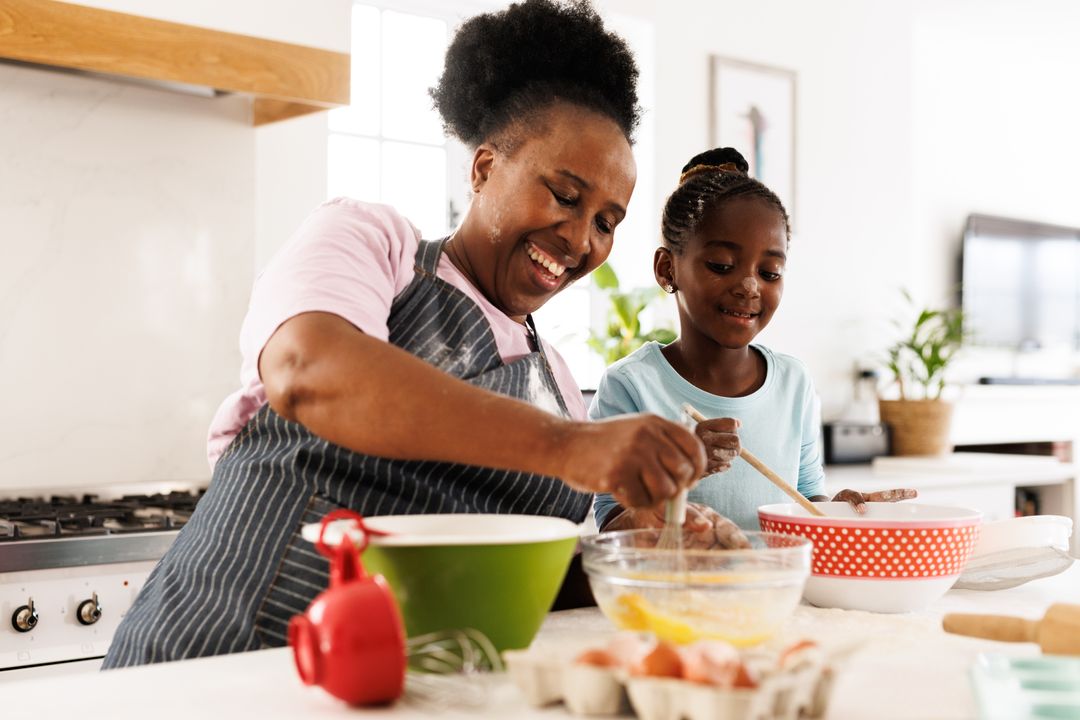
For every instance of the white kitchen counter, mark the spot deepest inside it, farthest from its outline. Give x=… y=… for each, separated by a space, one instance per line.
x=903 y=666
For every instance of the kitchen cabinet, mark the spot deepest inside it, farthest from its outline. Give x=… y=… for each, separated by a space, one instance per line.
x=900 y=666
x=284 y=79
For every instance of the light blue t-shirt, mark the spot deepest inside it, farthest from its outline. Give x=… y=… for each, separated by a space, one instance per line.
x=781 y=424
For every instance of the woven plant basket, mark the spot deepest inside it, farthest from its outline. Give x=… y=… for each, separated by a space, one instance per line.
x=919 y=427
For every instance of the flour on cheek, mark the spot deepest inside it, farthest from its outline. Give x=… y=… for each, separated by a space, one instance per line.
x=495 y=230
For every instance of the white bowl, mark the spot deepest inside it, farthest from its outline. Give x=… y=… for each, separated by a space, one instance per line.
x=1014 y=551
x=897 y=557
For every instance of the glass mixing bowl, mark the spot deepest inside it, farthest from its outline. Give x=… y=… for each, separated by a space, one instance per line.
x=739 y=596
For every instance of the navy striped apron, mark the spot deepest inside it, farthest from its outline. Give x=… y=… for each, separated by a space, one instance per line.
x=239 y=570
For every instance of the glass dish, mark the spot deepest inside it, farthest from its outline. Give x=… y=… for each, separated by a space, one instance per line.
x=740 y=596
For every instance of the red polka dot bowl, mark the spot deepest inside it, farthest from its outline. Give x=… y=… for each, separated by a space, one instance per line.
x=897 y=557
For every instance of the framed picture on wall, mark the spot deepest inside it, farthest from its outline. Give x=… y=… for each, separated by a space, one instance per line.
x=752 y=109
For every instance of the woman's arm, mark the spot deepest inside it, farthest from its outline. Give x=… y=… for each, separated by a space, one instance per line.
x=374 y=398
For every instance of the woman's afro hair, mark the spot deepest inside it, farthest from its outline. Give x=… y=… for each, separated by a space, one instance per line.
x=502 y=67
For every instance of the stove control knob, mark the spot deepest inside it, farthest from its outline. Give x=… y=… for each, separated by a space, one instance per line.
x=25 y=617
x=89 y=611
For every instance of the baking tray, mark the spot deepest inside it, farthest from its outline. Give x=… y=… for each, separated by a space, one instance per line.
x=1031 y=688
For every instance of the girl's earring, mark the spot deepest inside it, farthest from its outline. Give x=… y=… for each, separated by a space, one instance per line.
x=669 y=288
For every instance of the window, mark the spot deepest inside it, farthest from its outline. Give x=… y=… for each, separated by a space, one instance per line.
x=388 y=147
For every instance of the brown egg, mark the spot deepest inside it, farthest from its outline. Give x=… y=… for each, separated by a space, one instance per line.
x=662 y=661
x=743 y=678
x=792 y=652
x=710 y=662
x=628 y=647
x=599 y=658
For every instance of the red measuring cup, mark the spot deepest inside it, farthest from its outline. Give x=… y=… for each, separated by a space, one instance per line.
x=351 y=640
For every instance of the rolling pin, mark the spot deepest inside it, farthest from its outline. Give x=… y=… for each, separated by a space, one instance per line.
x=1058 y=633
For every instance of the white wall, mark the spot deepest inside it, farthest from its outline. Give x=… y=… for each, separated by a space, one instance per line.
x=128 y=222
x=997 y=131
x=126 y=242
x=997 y=114
x=290 y=156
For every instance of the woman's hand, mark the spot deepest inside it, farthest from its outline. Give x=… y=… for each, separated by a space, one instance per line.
x=641 y=460
x=858 y=500
x=721 y=439
x=705 y=528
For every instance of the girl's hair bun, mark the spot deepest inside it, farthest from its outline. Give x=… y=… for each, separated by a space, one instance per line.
x=722 y=159
x=709 y=180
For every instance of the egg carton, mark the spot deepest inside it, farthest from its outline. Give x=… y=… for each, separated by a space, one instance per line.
x=798 y=691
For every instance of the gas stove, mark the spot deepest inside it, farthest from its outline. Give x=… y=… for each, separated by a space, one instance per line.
x=72 y=564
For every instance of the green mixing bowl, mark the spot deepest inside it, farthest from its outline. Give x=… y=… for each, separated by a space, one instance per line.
x=498 y=574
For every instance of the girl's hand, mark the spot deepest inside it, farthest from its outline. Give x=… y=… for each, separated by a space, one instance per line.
x=858 y=500
x=641 y=459
x=721 y=439
x=705 y=528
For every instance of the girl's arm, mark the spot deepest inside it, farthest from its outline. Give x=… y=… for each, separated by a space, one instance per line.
x=374 y=398
x=811 y=481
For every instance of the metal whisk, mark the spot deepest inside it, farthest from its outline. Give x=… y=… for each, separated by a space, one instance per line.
x=438 y=661
x=671 y=537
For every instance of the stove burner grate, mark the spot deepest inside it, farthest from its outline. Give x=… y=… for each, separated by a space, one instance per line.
x=71 y=516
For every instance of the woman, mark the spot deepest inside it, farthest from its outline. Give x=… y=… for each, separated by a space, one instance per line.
x=391 y=375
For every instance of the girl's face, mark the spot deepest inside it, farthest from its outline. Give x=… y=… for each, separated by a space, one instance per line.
x=544 y=214
x=729 y=276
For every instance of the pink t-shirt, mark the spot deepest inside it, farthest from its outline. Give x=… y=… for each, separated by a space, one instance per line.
x=352 y=259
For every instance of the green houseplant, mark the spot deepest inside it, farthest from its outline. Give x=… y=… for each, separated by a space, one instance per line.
x=920 y=419
x=623 y=334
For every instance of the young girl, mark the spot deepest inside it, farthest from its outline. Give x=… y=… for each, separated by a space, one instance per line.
x=724 y=254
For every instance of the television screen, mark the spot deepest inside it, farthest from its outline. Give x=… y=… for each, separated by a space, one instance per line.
x=1020 y=284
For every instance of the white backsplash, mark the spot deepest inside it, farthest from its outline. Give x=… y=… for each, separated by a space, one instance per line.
x=126 y=251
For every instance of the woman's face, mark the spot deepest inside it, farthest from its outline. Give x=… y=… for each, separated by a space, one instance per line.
x=730 y=274
x=544 y=213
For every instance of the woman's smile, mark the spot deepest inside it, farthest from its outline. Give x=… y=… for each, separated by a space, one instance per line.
x=545 y=269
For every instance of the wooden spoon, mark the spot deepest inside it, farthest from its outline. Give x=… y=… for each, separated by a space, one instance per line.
x=764 y=470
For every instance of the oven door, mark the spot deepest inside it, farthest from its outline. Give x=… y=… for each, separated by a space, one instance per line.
x=48 y=622
x=72 y=667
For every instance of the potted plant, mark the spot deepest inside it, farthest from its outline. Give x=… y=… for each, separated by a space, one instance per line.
x=624 y=335
x=920 y=418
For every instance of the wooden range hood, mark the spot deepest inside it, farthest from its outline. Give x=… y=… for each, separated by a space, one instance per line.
x=284 y=80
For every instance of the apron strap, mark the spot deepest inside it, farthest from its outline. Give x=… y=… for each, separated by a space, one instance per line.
x=428 y=253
